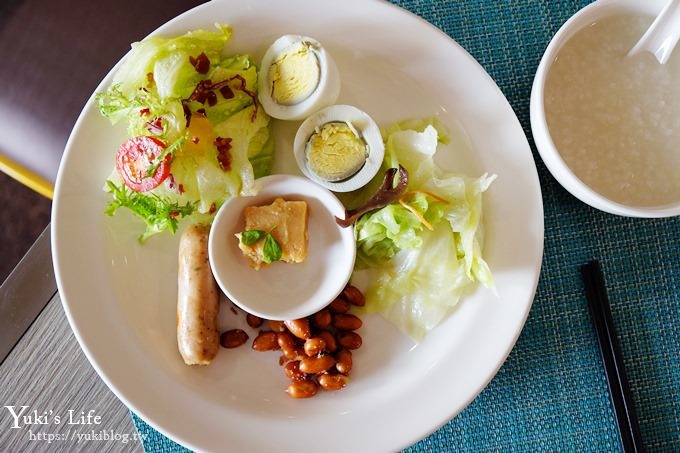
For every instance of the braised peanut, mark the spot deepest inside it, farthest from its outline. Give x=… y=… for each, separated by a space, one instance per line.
x=332 y=382
x=288 y=345
x=266 y=340
x=322 y=318
x=339 y=305
x=316 y=350
x=344 y=321
x=292 y=371
x=299 y=327
x=315 y=365
x=233 y=338
x=314 y=346
x=329 y=339
x=253 y=321
x=302 y=389
x=343 y=361
x=349 y=340
x=354 y=296
x=277 y=326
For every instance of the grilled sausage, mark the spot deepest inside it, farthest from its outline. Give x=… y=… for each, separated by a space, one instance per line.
x=198 y=337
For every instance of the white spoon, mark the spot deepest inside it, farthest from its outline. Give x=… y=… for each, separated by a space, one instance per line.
x=661 y=37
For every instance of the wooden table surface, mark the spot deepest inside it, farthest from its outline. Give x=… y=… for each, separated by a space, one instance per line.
x=52 y=399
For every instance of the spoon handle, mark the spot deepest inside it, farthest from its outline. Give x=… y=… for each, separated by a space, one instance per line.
x=662 y=36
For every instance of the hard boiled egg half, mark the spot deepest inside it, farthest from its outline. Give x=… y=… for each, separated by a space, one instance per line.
x=297 y=77
x=339 y=147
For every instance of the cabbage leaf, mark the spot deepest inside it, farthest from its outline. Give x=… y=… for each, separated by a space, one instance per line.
x=423 y=253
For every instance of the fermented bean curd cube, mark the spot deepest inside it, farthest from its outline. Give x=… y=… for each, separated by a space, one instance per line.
x=286 y=221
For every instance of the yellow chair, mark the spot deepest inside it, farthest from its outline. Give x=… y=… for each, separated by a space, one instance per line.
x=26 y=177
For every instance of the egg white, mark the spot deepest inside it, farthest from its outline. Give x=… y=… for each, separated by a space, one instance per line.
x=327 y=89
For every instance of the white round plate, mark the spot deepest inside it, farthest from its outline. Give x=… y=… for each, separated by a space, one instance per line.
x=120 y=297
x=283 y=291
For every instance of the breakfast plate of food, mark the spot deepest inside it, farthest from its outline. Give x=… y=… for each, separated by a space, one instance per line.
x=348 y=149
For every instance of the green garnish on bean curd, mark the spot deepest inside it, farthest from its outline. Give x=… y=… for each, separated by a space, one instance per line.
x=271 y=249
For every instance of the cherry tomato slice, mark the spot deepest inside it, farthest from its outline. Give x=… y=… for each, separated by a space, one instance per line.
x=136 y=157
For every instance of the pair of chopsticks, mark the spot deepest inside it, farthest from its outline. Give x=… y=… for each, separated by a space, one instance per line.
x=619 y=389
x=26 y=177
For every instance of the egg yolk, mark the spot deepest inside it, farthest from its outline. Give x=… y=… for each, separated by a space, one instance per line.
x=294 y=75
x=335 y=151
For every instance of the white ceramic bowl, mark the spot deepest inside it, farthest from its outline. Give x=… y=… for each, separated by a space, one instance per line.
x=544 y=143
x=283 y=291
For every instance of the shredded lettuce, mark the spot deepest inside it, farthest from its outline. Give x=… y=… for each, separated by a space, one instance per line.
x=157 y=91
x=424 y=252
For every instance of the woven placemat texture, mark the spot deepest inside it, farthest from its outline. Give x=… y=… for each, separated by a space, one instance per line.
x=551 y=394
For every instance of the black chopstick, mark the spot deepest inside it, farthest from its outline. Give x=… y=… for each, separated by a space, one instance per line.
x=619 y=389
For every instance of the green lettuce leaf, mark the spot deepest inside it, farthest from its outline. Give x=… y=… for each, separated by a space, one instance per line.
x=167 y=60
x=153 y=91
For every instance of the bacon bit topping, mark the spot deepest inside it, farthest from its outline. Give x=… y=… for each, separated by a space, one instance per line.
x=223 y=145
x=242 y=86
x=172 y=184
x=195 y=140
x=212 y=209
x=144 y=112
x=174 y=214
x=212 y=98
x=204 y=92
x=187 y=112
x=171 y=181
x=200 y=93
x=201 y=63
x=155 y=126
x=226 y=92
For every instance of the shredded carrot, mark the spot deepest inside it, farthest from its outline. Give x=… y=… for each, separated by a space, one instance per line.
x=429 y=194
x=415 y=212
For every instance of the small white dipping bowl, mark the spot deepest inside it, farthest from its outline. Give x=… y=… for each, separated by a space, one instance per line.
x=284 y=291
x=542 y=137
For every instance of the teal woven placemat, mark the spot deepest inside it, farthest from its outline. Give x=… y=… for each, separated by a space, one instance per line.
x=551 y=394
